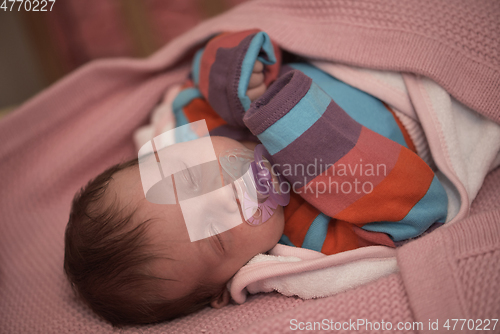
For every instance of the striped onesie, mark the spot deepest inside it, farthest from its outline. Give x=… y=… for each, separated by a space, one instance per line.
x=354 y=176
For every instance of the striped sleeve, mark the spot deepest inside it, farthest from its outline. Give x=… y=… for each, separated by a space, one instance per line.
x=220 y=75
x=343 y=168
x=307 y=227
x=223 y=68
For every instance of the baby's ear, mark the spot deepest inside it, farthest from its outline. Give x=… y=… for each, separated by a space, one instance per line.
x=221 y=300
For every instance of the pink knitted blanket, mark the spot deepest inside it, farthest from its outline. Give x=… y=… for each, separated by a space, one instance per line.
x=72 y=131
x=455 y=44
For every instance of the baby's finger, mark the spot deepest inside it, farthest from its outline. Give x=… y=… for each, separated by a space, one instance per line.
x=258 y=67
x=256 y=79
x=254 y=93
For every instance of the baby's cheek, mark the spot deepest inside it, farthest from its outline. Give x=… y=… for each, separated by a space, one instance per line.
x=277 y=225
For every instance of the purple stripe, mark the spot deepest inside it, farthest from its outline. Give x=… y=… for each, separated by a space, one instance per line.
x=331 y=137
x=277 y=101
x=285 y=69
x=233 y=132
x=223 y=82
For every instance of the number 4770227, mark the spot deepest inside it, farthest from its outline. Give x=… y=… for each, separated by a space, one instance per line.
x=478 y=324
x=27 y=5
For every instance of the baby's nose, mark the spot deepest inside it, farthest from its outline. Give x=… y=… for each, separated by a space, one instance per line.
x=218 y=207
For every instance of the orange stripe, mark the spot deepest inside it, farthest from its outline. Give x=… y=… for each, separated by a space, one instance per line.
x=224 y=40
x=395 y=196
x=295 y=202
x=199 y=109
x=339 y=238
x=297 y=225
x=406 y=136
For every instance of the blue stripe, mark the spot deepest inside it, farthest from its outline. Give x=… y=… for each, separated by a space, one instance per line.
x=180 y=118
x=285 y=241
x=362 y=107
x=196 y=66
x=298 y=120
x=260 y=42
x=184 y=97
x=315 y=236
x=432 y=208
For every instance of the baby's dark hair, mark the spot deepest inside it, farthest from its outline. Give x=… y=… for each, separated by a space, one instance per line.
x=107 y=261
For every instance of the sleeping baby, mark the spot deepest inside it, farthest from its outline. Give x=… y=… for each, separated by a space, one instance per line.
x=332 y=170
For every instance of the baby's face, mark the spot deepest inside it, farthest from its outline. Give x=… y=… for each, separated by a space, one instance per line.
x=213 y=260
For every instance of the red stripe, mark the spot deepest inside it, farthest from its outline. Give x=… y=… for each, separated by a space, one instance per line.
x=199 y=109
x=371 y=150
x=340 y=237
x=368 y=238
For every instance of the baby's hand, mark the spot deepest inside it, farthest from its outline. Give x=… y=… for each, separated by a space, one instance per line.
x=256 y=86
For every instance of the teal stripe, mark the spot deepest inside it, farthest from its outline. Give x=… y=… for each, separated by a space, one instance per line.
x=196 y=66
x=285 y=241
x=260 y=42
x=184 y=97
x=183 y=134
x=180 y=119
x=315 y=236
x=292 y=125
x=432 y=208
x=362 y=107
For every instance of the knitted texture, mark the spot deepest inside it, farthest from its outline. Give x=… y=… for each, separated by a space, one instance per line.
x=476 y=271
x=228 y=319
x=383 y=300
x=457 y=44
x=477 y=264
x=56 y=142
x=489 y=196
x=453 y=272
